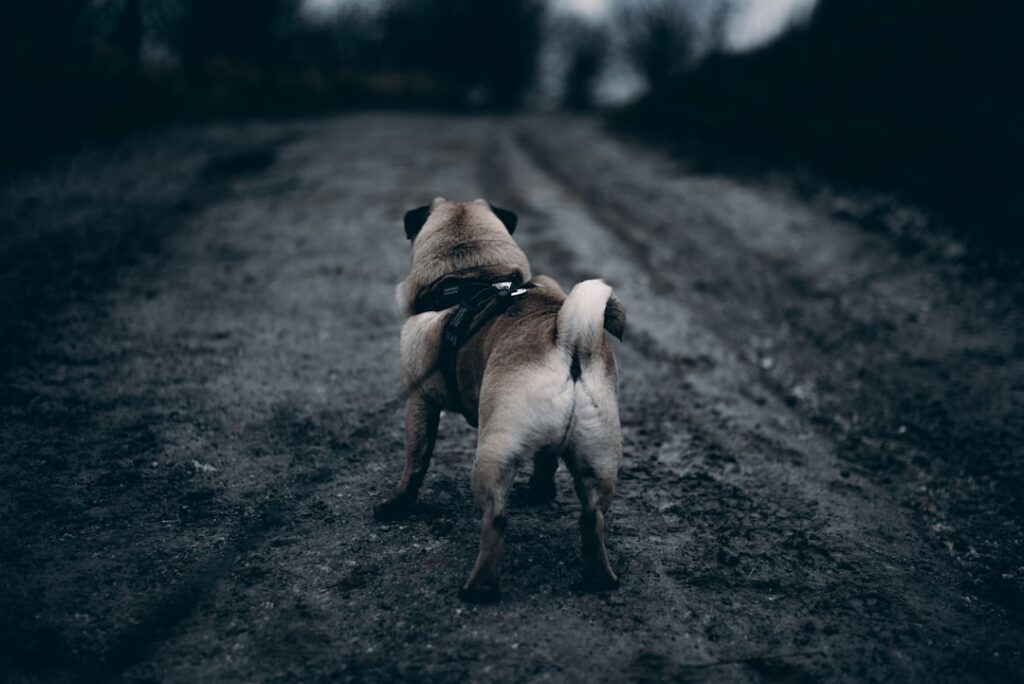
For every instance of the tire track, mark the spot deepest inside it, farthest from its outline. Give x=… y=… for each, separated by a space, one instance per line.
x=277 y=508
x=852 y=521
x=257 y=513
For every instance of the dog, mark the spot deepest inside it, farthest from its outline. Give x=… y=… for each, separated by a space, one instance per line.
x=538 y=377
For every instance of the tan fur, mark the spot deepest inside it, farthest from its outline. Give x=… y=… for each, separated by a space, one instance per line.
x=514 y=381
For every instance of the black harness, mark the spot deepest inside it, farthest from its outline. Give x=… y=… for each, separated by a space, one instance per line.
x=478 y=302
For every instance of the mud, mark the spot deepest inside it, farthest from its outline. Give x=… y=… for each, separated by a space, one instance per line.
x=821 y=405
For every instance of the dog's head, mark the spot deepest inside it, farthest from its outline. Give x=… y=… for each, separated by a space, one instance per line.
x=459 y=238
x=443 y=210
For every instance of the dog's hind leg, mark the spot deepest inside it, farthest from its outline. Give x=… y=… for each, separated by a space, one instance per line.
x=542 y=480
x=493 y=472
x=421 y=421
x=594 y=474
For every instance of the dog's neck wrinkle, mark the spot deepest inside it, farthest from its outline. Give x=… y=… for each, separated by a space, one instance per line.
x=485 y=271
x=459 y=255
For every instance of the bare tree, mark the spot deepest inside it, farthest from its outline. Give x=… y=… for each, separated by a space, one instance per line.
x=242 y=31
x=659 y=38
x=586 y=55
x=484 y=51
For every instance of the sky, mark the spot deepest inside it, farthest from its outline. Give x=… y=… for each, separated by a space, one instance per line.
x=755 y=21
x=758 y=21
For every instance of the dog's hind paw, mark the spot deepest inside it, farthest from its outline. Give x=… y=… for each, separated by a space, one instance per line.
x=489 y=594
x=392 y=509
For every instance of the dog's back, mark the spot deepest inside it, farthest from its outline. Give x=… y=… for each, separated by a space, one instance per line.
x=545 y=370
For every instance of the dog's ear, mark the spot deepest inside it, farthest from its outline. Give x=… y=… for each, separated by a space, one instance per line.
x=414 y=220
x=615 y=317
x=507 y=217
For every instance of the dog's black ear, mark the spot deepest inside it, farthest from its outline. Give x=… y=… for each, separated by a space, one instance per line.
x=414 y=220
x=507 y=217
x=615 y=317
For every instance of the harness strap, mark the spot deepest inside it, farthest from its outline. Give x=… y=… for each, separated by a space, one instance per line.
x=451 y=291
x=478 y=303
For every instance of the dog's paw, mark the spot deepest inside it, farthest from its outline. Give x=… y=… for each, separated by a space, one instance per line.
x=596 y=582
x=392 y=509
x=485 y=594
x=540 y=492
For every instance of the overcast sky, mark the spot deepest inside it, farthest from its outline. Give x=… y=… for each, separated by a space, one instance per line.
x=758 y=21
x=755 y=22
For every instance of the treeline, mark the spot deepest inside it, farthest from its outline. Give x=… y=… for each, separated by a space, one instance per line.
x=74 y=67
x=924 y=97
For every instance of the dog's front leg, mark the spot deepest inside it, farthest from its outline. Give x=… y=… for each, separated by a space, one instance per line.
x=542 y=481
x=421 y=420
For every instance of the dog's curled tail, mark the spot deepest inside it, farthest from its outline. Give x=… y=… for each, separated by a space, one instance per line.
x=589 y=310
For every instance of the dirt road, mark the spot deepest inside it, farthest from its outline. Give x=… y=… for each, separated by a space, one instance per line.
x=821 y=406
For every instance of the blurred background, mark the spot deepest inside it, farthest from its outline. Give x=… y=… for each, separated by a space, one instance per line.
x=923 y=97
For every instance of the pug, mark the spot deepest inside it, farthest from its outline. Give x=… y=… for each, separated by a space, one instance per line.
x=535 y=372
